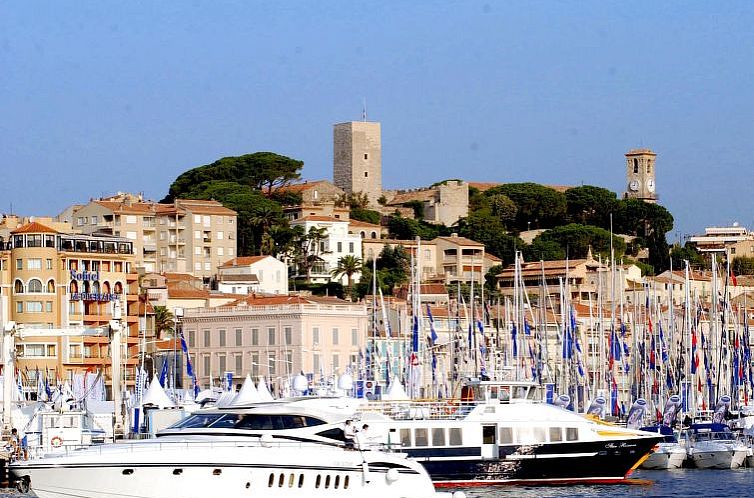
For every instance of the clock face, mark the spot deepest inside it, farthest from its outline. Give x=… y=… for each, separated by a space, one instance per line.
x=651 y=185
x=634 y=185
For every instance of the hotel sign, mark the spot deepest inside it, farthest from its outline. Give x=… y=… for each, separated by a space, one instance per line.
x=90 y=276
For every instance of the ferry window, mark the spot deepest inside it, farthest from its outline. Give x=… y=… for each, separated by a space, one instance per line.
x=346 y=480
x=539 y=434
x=327 y=481
x=504 y=394
x=420 y=437
x=226 y=421
x=525 y=435
x=438 y=437
x=506 y=435
x=488 y=434
x=405 y=437
x=572 y=434
x=301 y=480
x=337 y=482
x=455 y=436
x=556 y=434
x=291 y=480
x=281 y=480
x=271 y=481
x=318 y=482
x=493 y=393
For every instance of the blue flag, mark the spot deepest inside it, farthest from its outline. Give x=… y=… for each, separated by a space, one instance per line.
x=432 y=331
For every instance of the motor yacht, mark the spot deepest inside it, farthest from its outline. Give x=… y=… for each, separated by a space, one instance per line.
x=669 y=454
x=714 y=446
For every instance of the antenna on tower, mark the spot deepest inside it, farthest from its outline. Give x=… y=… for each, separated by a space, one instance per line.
x=364 y=110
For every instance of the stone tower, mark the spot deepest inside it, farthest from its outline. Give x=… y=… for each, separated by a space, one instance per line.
x=357 y=158
x=640 y=175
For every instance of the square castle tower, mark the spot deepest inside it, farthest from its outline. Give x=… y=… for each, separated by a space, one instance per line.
x=357 y=158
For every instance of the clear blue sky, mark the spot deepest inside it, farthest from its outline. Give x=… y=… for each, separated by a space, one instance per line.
x=97 y=97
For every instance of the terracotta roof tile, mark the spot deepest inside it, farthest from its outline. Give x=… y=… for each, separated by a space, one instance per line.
x=34 y=227
x=363 y=224
x=461 y=241
x=328 y=219
x=243 y=261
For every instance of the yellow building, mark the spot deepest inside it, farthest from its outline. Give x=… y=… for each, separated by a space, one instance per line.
x=68 y=284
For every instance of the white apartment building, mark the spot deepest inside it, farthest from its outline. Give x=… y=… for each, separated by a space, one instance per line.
x=253 y=274
x=336 y=244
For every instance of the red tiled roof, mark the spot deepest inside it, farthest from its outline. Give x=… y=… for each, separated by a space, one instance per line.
x=319 y=218
x=461 y=241
x=187 y=293
x=204 y=207
x=243 y=261
x=257 y=300
x=364 y=224
x=34 y=227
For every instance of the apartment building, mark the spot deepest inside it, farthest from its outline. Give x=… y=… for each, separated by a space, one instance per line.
x=61 y=290
x=336 y=243
x=187 y=236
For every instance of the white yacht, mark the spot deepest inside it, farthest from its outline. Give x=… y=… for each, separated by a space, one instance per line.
x=223 y=455
x=669 y=454
x=714 y=446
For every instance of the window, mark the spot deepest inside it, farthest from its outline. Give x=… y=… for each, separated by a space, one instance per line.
x=131 y=219
x=288 y=336
x=220 y=235
x=34 y=264
x=48 y=264
x=636 y=165
x=239 y=337
x=221 y=361
x=366 y=174
x=315 y=336
x=34 y=306
x=455 y=436
x=197 y=235
x=19 y=307
x=35 y=286
x=206 y=338
x=80 y=221
x=556 y=434
x=340 y=246
x=271 y=336
x=208 y=266
x=572 y=434
x=405 y=437
x=131 y=235
x=48 y=306
x=255 y=337
x=272 y=360
x=354 y=337
x=420 y=437
x=95 y=220
x=239 y=365
x=438 y=437
x=205 y=361
x=197 y=266
x=18 y=287
x=192 y=338
x=350 y=247
x=316 y=363
x=197 y=218
x=222 y=338
x=488 y=434
x=254 y=364
x=220 y=251
x=335 y=362
x=335 y=337
x=19 y=264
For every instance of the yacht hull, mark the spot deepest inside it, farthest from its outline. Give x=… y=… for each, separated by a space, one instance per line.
x=596 y=462
x=718 y=458
x=160 y=471
x=667 y=456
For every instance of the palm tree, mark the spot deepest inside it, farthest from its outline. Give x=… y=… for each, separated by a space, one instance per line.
x=263 y=218
x=347 y=265
x=163 y=321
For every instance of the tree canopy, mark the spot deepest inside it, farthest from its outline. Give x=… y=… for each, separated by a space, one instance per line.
x=246 y=184
x=260 y=171
x=573 y=241
x=589 y=205
x=537 y=206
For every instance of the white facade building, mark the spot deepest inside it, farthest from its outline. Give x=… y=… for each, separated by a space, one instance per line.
x=337 y=242
x=253 y=274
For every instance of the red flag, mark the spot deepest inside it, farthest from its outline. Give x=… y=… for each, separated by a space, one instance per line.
x=733 y=278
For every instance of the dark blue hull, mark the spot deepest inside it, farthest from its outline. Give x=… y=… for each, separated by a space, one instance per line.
x=560 y=463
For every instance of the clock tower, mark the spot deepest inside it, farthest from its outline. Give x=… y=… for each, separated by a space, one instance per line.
x=640 y=175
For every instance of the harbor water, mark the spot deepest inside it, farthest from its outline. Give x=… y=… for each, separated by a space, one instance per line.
x=646 y=484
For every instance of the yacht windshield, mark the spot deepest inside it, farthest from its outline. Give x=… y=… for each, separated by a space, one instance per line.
x=248 y=421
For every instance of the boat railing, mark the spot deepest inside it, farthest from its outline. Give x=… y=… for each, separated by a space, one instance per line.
x=450 y=409
x=158 y=445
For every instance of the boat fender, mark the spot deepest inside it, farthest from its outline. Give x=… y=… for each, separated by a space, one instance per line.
x=392 y=476
x=458 y=494
x=266 y=440
x=56 y=442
